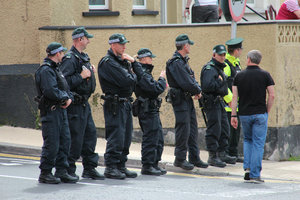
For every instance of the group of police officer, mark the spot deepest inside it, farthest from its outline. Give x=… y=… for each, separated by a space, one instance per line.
x=65 y=83
x=215 y=97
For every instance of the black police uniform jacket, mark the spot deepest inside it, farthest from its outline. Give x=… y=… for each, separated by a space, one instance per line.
x=72 y=65
x=181 y=76
x=210 y=82
x=115 y=75
x=51 y=84
x=147 y=87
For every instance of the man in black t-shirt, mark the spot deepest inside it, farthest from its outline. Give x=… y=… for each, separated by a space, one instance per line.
x=250 y=87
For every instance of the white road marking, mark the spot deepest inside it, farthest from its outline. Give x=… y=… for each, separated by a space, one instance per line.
x=14 y=161
x=18 y=177
x=10 y=164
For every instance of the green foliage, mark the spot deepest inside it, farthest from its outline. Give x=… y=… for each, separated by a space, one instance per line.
x=95 y=99
x=294 y=158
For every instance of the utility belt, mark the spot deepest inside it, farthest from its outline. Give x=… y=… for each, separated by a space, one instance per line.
x=113 y=102
x=79 y=99
x=175 y=95
x=144 y=105
x=116 y=98
x=211 y=97
x=45 y=104
x=209 y=100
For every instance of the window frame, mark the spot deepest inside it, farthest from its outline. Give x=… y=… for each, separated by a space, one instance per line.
x=100 y=7
x=251 y=4
x=139 y=7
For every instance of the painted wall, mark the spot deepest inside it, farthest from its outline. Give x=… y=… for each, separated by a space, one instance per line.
x=19 y=30
x=287 y=74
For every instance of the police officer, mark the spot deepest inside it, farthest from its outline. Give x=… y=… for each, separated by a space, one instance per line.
x=80 y=76
x=214 y=88
x=117 y=81
x=234 y=48
x=54 y=97
x=147 y=106
x=183 y=86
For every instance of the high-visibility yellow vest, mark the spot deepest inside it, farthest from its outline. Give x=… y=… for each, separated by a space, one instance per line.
x=235 y=62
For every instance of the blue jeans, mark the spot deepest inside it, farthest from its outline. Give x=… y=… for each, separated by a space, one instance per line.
x=255 y=130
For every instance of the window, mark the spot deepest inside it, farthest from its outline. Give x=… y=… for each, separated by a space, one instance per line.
x=251 y=2
x=139 y=4
x=98 y=4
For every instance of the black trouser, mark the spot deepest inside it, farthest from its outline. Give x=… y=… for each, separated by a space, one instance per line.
x=201 y=14
x=186 y=131
x=153 y=140
x=118 y=133
x=217 y=132
x=234 y=137
x=56 y=136
x=83 y=137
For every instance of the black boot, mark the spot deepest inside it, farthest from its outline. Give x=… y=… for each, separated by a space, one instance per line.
x=113 y=173
x=199 y=163
x=65 y=177
x=184 y=164
x=47 y=177
x=214 y=160
x=150 y=170
x=162 y=170
x=93 y=174
x=73 y=174
x=226 y=158
x=129 y=174
x=238 y=158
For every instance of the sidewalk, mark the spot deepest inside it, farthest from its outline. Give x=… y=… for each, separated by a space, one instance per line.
x=26 y=141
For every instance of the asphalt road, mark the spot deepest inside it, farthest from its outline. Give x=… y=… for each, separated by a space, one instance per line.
x=19 y=174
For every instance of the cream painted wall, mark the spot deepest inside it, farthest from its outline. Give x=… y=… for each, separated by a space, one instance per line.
x=287 y=74
x=174 y=11
x=257 y=36
x=19 y=30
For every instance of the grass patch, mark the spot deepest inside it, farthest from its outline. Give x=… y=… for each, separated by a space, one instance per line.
x=294 y=158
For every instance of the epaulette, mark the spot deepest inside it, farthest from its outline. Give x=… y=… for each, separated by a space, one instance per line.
x=68 y=56
x=105 y=58
x=46 y=64
x=209 y=65
x=173 y=59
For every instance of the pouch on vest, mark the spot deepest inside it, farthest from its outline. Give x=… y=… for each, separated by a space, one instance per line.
x=176 y=96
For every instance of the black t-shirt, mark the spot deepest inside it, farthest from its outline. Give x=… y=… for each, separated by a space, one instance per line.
x=252 y=84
